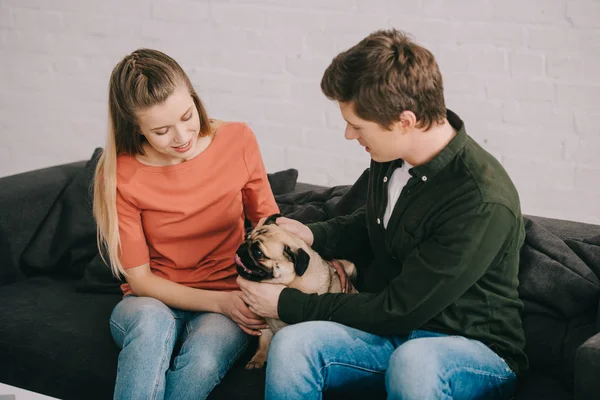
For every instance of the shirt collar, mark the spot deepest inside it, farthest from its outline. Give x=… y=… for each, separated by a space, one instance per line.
x=439 y=162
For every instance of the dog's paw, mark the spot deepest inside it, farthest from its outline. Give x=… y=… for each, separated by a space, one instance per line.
x=255 y=364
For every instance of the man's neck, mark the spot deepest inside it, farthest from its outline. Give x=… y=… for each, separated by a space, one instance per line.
x=428 y=144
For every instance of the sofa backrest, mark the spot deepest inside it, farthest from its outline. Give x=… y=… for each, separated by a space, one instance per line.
x=565 y=229
x=558 y=287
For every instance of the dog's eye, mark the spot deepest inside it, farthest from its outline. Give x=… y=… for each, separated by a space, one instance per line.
x=256 y=252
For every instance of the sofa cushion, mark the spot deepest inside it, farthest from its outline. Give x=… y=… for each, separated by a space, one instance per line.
x=560 y=293
x=7 y=269
x=59 y=344
x=58 y=340
x=538 y=387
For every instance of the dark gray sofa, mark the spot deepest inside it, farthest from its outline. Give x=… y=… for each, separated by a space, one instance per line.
x=54 y=335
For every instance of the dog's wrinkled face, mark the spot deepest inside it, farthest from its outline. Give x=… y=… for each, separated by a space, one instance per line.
x=271 y=254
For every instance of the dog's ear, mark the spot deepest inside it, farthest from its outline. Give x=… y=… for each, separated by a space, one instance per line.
x=301 y=260
x=272 y=218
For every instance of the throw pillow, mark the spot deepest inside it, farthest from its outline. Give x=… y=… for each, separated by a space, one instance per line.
x=98 y=278
x=588 y=250
x=282 y=182
x=65 y=242
x=559 y=291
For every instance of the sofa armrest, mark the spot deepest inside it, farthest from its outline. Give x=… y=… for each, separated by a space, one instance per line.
x=25 y=200
x=587 y=369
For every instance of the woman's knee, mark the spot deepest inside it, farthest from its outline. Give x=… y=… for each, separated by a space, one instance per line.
x=213 y=343
x=142 y=316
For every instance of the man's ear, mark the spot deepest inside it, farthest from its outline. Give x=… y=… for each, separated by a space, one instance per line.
x=408 y=120
x=272 y=218
x=301 y=261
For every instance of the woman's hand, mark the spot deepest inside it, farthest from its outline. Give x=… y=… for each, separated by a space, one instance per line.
x=233 y=306
x=295 y=227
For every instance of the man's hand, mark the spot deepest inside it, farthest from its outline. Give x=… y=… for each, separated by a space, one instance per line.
x=295 y=227
x=261 y=298
x=234 y=307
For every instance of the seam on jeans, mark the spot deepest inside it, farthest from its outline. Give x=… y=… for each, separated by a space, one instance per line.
x=510 y=374
x=497 y=355
x=452 y=371
x=352 y=366
x=228 y=365
x=235 y=357
x=171 y=330
x=486 y=348
x=322 y=385
x=119 y=327
x=183 y=347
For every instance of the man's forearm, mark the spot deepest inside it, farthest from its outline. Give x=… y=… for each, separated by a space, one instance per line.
x=341 y=237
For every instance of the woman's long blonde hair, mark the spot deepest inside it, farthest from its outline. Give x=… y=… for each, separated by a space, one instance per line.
x=140 y=80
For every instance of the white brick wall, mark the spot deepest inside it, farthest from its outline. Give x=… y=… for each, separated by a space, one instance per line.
x=524 y=75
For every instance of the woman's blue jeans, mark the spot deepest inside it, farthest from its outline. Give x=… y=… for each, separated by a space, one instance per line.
x=147 y=331
x=309 y=358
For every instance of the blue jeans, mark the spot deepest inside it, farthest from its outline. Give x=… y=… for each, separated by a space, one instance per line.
x=423 y=365
x=147 y=332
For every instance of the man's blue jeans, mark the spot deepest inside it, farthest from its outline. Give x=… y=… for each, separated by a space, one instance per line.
x=309 y=358
x=147 y=331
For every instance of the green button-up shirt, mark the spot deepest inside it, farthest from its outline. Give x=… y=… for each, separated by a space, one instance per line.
x=447 y=262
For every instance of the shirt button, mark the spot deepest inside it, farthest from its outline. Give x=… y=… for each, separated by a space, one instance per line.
x=424 y=178
x=378 y=221
x=384 y=179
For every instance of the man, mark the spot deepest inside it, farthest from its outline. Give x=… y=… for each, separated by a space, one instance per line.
x=438 y=313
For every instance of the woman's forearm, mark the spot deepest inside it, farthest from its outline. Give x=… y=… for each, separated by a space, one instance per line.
x=177 y=295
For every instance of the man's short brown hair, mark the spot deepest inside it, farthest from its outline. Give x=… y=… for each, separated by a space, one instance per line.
x=384 y=74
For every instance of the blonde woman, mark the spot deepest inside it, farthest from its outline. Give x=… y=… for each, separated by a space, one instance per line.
x=171 y=191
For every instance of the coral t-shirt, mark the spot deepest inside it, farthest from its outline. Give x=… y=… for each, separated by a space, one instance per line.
x=187 y=219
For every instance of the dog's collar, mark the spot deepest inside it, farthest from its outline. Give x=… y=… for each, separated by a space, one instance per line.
x=338 y=268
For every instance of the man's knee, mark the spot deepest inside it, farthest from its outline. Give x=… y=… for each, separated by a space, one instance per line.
x=298 y=342
x=413 y=371
x=287 y=343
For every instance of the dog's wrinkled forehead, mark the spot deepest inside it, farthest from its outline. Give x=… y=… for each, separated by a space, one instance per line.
x=272 y=238
x=267 y=232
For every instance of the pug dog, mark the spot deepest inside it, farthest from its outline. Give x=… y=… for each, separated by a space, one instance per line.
x=270 y=254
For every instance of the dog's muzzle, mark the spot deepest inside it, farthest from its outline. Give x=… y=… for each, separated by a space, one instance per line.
x=247 y=260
